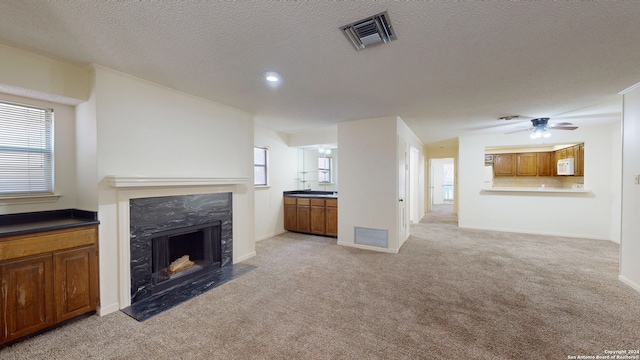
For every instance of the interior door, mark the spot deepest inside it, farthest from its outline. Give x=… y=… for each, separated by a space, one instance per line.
x=403 y=179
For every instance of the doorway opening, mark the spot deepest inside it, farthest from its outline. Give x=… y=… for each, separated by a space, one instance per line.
x=442 y=185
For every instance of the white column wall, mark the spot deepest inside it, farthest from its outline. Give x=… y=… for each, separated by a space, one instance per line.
x=367 y=192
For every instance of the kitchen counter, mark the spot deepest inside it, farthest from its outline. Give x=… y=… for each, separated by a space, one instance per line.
x=536 y=190
x=311 y=194
x=34 y=222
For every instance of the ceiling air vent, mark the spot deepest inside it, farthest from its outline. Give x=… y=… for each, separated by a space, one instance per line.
x=370 y=31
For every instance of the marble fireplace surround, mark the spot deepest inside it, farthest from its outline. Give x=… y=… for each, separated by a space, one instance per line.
x=135 y=187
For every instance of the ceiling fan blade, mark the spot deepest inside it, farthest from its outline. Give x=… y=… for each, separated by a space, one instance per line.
x=564 y=128
x=560 y=124
x=517 y=131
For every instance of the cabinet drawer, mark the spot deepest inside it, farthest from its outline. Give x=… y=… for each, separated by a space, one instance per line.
x=317 y=202
x=332 y=203
x=46 y=242
x=290 y=201
x=303 y=201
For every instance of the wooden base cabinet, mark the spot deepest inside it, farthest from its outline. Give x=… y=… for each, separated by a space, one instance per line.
x=311 y=215
x=51 y=285
x=331 y=217
x=76 y=279
x=317 y=217
x=27 y=297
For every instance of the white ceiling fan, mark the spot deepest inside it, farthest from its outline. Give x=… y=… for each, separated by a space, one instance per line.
x=541 y=127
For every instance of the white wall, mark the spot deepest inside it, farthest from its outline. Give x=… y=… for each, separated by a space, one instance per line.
x=630 y=241
x=39 y=77
x=368 y=187
x=64 y=161
x=325 y=136
x=577 y=215
x=269 y=210
x=143 y=129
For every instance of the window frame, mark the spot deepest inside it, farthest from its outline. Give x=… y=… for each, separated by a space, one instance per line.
x=265 y=166
x=17 y=141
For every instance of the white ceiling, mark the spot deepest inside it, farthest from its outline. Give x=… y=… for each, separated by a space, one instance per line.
x=454 y=68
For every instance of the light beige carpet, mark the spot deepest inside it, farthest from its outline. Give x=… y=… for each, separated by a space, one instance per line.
x=449 y=294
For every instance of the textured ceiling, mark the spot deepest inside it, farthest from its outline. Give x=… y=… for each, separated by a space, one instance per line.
x=454 y=69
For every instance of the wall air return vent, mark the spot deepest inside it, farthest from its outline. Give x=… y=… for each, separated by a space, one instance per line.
x=373 y=30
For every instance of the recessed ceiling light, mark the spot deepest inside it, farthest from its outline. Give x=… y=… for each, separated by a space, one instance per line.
x=272 y=76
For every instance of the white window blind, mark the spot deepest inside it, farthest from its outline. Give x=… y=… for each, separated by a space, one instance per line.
x=26 y=149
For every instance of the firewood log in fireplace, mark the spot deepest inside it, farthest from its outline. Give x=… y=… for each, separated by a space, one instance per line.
x=180 y=264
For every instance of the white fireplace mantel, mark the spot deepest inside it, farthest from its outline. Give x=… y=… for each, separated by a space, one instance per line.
x=154 y=181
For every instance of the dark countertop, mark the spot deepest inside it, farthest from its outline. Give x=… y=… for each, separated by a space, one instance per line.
x=34 y=222
x=312 y=194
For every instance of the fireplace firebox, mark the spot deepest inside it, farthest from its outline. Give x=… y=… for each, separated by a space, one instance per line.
x=182 y=254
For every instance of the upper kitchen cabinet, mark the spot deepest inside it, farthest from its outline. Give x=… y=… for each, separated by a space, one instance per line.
x=526 y=164
x=539 y=161
x=504 y=164
x=545 y=163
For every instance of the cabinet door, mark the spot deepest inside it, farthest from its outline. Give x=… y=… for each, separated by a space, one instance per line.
x=561 y=154
x=527 y=164
x=504 y=165
x=303 y=211
x=545 y=167
x=290 y=216
x=570 y=151
x=27 y=296
x=75 y=282
x=332 y=221
x=317 y=220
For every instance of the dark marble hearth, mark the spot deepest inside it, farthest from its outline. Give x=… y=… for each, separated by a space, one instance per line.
x=151 y=306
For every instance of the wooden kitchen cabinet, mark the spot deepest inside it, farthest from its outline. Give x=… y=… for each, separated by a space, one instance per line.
x=579 y=151
x=504 y=165
x=290 y=214
x=311 y=215
x=545 y=163
x=303 y=213
x=527 y=164
x=561 y=154
x=27 y=296
x=317 y=216
x=331 y=217
x=76 y=282
x=46 y=278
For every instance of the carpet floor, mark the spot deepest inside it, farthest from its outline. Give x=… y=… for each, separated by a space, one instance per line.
x=449 y=293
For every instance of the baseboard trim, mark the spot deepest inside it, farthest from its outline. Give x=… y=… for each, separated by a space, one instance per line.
x=367 y=247
x=577 y=236
x=245 y=257
x=264 y=237
x=630 y=283
x=106 y=310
